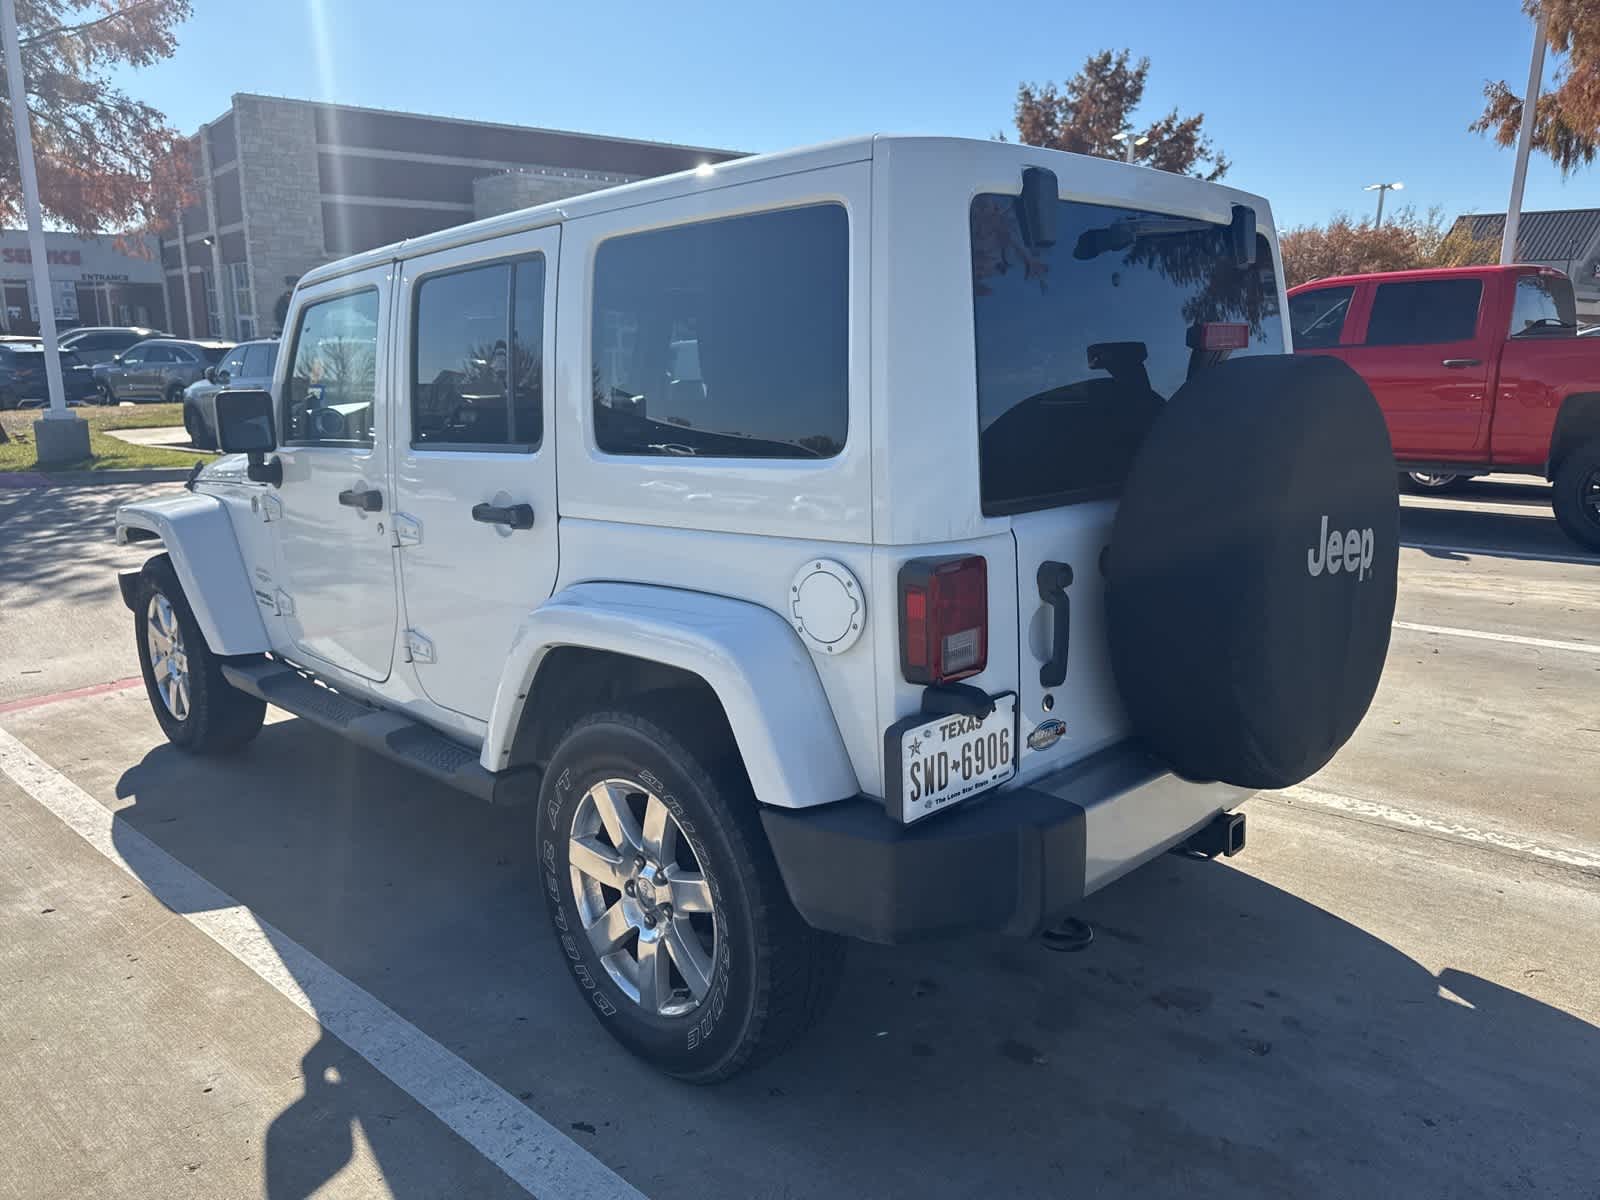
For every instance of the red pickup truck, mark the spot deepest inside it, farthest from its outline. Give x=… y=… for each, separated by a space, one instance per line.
x=1478 y=369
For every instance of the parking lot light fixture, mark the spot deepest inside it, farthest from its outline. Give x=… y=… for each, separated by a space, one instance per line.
x=1381 y=188
x=1129 y=142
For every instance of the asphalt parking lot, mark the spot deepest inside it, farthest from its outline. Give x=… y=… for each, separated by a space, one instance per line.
x=307 y=971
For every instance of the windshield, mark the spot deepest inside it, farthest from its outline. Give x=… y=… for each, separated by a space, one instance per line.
x=1081 y=342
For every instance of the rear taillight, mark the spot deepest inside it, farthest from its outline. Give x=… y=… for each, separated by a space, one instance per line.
x=944 y=618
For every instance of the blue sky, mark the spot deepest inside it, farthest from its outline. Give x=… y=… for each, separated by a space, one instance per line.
x=1310 y=101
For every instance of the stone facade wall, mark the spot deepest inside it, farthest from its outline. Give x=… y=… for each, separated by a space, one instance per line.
x=282 y=198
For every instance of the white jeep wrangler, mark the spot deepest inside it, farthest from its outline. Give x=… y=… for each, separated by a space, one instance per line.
x=889 y=539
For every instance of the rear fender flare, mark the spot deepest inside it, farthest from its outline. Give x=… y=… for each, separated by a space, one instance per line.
x=198 y=536
x=749 y=656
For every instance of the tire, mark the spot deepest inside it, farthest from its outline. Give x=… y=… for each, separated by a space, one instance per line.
x=174 y=393
x=211 y=717
x=199 y=434
x=1250 y=585
x=1576 y=495
x=764 y=976
x=107 y=396
x=1427 y=483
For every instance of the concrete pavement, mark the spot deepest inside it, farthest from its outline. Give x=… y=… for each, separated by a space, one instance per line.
x=1354 y=1005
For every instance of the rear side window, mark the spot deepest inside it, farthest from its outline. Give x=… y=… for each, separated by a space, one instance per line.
x=211 y=354
x=331 y=391
x=1079 y=344
x=476 y=372
x=726 y=338
x=258 y=361
x=1317 y=318
x=1424 y=312
x=1544 y=307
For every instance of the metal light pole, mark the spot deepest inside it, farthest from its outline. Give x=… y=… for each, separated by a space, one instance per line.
x=1381 y=188
x=1128 y=143
x=72 y=441
x=1519 y=175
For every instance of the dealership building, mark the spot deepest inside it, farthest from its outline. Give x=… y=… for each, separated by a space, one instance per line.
x=93 y=281
x=284 y=185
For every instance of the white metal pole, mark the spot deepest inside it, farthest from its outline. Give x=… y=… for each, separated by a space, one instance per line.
x=45 y=301
x=1519 y=176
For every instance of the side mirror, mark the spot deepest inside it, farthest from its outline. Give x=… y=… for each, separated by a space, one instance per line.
x=221 y=375
x=211 y=374
x=244 y=426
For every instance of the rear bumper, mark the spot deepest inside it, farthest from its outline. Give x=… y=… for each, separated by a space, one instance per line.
x=1013 y=862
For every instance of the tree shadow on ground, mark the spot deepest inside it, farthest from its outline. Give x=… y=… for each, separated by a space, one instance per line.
x=1222 y=1037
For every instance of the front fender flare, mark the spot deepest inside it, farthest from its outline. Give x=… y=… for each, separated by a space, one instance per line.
x=748 y=655
x=198 y=536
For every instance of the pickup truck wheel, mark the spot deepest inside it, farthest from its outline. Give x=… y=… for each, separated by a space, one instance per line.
x=1430 y=483
x=1576 y=495
x=197 y=708
x=667 y=903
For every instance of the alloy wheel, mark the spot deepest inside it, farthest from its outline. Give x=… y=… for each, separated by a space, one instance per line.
x=642 y=897
x=169 y=662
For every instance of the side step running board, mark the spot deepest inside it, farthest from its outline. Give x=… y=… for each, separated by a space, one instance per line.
x=387 y=733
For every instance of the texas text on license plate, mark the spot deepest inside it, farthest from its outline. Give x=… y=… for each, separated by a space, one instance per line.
x=943 y=760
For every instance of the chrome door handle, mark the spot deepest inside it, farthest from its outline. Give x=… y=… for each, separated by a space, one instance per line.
x=1456 y=364
x=369 y=500
x=517 y=516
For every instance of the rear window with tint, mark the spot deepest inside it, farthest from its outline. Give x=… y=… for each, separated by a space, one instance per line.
x=1424 y=312
x=726 y=338
x=1079 y=344
x=1317 y=318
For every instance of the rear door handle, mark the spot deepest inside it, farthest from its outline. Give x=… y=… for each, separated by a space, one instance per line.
x=1054 y=580
x=1457 y=364
x=518 y=516
x=369 y=500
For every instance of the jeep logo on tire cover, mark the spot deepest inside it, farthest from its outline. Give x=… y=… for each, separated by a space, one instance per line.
x=1351 y=550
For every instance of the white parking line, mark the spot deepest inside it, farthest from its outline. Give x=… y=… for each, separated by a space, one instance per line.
x=1402 y=818
x=1490 y=552
x=1516 y=639
x=534 y=1153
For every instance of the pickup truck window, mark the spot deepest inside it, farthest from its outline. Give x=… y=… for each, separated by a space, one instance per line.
x=1544 y=307
x=1424 y=312
x=1317 y=318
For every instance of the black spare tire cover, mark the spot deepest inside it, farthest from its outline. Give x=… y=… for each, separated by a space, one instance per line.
x=1251 y=576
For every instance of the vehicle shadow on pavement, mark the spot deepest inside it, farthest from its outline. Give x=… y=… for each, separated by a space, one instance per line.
x=1222 y=1036
x=1471 y=532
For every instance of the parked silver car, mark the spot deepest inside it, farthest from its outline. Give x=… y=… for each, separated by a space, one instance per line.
x=247 y=365
x=101 y=343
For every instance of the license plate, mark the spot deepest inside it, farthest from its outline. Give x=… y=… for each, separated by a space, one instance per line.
x=944 y=760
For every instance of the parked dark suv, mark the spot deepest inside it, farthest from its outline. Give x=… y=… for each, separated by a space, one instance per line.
x=23 y=381
x=158 y=369
x=100 y=343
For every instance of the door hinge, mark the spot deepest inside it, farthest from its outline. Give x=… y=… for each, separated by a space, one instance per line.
x=284 y=602
x=418 y=648
x=269 y=508
x=407 y=529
